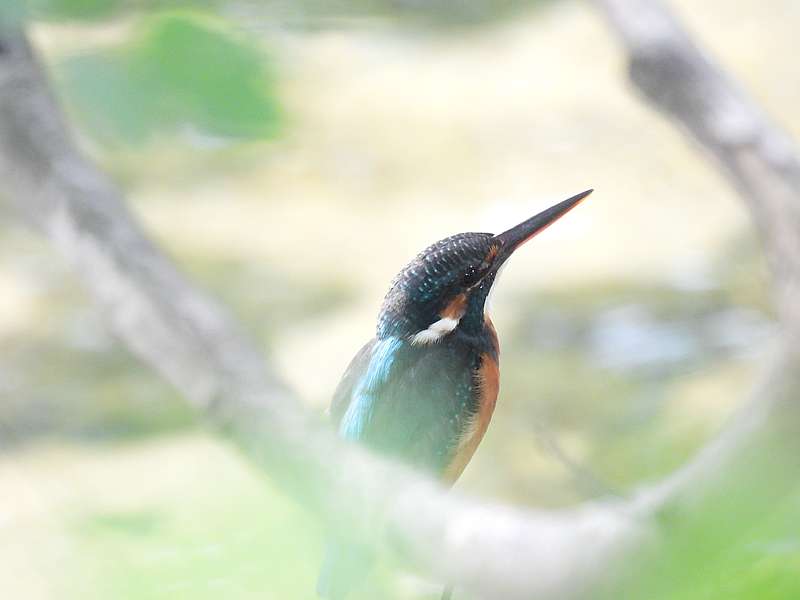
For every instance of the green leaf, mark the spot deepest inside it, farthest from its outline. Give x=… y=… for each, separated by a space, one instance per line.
x=182 y=71
x=73 y=9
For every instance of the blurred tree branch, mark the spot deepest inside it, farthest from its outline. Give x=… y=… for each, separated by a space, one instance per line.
x=497 y=551
x=680 y=79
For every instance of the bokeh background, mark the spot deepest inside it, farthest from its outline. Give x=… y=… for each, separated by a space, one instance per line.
x=291 y=158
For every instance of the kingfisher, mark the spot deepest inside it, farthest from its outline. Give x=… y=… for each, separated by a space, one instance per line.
x=423 y=390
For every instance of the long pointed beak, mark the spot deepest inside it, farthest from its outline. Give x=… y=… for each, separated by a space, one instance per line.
x=516 y=236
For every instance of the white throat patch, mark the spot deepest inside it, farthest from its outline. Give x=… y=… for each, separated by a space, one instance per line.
x=435 y=331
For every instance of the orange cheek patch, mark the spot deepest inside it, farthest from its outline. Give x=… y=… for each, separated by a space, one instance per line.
x=455 y=309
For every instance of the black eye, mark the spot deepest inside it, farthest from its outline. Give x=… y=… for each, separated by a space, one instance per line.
x=471 y=277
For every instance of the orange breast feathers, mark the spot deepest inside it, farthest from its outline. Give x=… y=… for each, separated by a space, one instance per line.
x=488 y=382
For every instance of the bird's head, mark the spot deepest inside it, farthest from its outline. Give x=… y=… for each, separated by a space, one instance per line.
x=446 y=285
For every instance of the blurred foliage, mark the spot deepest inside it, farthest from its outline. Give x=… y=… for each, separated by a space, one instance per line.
x=180 y=72
x=739 y=542
x=440 y=13
x=68 y=375
x=101 y=10
x=268 y=299
x=299 y=12
x=228 y=534
x=77 y=387
x=207 y=526
x=610 y=370
x=74 y=9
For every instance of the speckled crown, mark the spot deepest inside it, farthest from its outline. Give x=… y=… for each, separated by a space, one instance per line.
x=420 y=289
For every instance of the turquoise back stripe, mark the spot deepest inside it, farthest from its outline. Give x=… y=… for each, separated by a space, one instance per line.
x=359 y=411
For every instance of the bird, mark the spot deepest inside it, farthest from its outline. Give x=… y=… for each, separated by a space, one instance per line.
x=424 y=389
